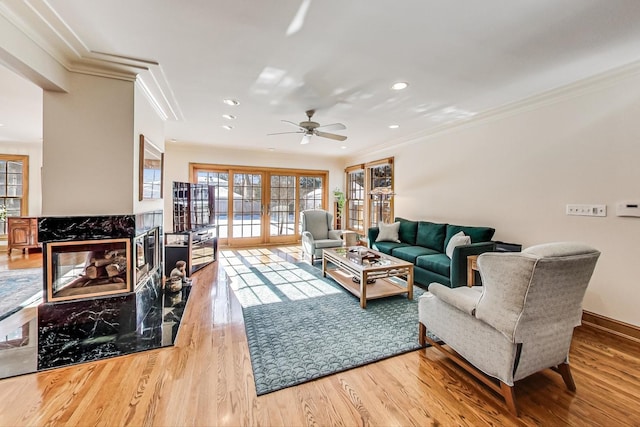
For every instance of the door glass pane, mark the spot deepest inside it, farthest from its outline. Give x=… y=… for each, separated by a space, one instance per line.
x=311 y=193
x=247 y=212
x=282 y=205
x=221 y=182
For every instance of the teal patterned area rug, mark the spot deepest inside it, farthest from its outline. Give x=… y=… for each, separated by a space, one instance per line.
x=19 y=288
x=301 y=326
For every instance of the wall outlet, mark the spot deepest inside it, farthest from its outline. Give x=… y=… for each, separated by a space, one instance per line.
x=587 y=210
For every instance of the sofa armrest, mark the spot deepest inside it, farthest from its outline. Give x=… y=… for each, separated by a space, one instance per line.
x=459 y=260
x=372 y=234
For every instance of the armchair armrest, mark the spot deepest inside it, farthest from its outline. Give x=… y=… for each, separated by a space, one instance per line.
x=463 y=298
x=335 y=234
x=459 y=260
x=372 y=234
x=308 y=242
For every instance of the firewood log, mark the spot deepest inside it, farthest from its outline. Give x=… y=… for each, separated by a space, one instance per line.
x=101 y=261
x=113 y=270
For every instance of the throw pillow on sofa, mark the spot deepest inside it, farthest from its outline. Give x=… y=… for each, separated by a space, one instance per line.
x=388 y=232
x=458 y=239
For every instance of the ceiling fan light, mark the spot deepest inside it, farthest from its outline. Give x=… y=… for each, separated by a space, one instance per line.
x=306 y=139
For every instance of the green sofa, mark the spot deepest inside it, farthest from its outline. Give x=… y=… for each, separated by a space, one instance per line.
x=424 y=244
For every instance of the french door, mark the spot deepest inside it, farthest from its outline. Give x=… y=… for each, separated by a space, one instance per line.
x=256 y=206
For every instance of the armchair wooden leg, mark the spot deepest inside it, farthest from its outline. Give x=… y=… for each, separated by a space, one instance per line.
x=509 y=397
x=422 y=333
x=565 y=371
x=506 y=391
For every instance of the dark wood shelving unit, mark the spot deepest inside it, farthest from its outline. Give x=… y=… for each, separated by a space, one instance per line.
x=195 y=235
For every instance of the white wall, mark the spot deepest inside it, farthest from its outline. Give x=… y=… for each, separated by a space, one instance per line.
x=179 y=155
x=517 y=173
x=34 y=151
x=148 y=123
x=88 y=148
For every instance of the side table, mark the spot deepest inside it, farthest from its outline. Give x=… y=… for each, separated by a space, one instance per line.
x=472 y=267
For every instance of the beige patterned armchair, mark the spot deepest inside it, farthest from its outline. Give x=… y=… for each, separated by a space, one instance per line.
x=520 y=322
x=317 y=233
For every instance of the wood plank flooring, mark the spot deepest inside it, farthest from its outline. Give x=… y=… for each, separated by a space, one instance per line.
x=206 y=379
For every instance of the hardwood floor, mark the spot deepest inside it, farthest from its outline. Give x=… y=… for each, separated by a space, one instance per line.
x=206 y=379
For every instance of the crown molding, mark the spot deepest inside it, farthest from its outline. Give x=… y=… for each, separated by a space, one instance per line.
x=41 y=24
x=572 y=90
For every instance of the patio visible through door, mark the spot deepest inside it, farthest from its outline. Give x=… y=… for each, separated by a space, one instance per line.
x=258 y=206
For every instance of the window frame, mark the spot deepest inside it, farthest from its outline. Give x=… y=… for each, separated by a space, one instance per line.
x=369 y=204
x=24 y=198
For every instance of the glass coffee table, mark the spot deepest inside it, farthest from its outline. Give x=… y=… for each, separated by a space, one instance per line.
x=381 y=277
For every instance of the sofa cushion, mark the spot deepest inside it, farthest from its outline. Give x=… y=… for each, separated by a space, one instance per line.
x=410 y=253
x=387 y=247
x=388 y=232
x=431 y=235
x=477 y=234
x=439 y=263
x=408 y=230
x=458 y=239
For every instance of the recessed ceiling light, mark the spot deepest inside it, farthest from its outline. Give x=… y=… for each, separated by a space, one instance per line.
x=229 y=116
x=227 y=127
x=173 y=140
x=231 y=101
x=1 y=124
x=344 y=147
x=399 y=85
x=271 y=149
x=394 y=126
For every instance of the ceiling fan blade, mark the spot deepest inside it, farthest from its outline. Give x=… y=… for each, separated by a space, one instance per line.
x=296 y=125
x=306 y=138
x=331 y=136
x=333 y=126
x=282 y=133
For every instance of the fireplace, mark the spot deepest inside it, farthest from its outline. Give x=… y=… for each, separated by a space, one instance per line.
x=87 y=268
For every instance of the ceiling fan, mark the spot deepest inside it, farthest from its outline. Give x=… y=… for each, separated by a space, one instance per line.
x=309 y=128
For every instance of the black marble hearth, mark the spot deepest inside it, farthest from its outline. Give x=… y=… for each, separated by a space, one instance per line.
x=144 y=317
x=80 y=331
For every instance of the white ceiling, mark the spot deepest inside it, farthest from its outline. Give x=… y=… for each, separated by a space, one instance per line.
x=461 y=58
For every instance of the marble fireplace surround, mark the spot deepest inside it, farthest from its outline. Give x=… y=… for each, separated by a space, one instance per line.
x=89 y=329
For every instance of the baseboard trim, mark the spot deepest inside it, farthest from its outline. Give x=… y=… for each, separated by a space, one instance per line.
x=612 y=326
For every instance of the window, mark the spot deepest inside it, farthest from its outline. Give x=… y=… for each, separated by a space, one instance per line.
x=369 y=194
x=13 y=186
x=355 y=198
x=380 y=191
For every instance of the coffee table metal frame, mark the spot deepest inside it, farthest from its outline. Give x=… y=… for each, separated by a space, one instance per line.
x=336 y=265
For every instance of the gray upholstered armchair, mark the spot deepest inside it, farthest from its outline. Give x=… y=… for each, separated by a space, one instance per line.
x=520 y=322
x=317 y=233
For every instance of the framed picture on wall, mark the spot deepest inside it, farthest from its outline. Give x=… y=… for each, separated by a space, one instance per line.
x=151 y=170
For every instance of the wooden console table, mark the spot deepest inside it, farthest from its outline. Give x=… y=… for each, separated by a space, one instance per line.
x=23 y=233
